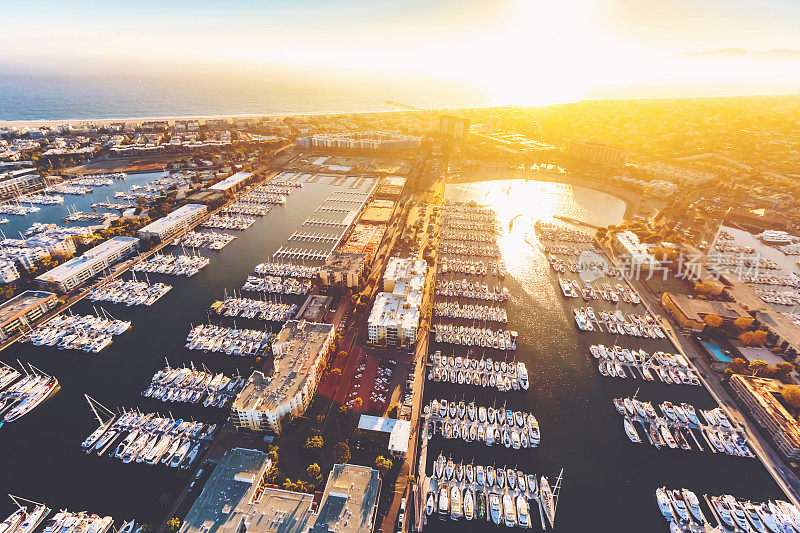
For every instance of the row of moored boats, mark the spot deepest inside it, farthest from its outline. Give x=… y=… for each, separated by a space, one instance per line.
x=205 y=239
x=190 y=385
x=174 y=265
x=130 y=292
x=682 y=507
x=484 y=372
x=90 y=333
x=239 y=222
x=515 y=429
x=210 y=338
x=150 y=439
x=19 y=397
x=263 y=309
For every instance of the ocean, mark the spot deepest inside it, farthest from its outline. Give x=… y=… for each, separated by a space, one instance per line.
x=83 y=96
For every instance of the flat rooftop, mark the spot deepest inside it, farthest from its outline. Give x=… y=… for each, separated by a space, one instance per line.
x=236 y=499
x=765 y=391
x=173 y=218
x=22 y=303
x=364 y=238
x=345 y=262
x=297 y=350
x=696 y=309
x=234 y=496
x=231 y=181
x=378 y=211
x=349 y=501
x=89 y=258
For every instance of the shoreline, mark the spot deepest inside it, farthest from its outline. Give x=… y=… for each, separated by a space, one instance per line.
x=630 y=198
x=173 y=118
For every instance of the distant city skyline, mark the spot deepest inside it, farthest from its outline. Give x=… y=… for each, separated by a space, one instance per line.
x=516 y=51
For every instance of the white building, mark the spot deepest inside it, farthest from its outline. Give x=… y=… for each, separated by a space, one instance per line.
x=17 y=181
x=660 y=189
x=300 y=352
x=8 y=271
x=178 y=220
x=232 y=183
x=69 y=275
x=394 y=318
x=361 y=140
x=597 y=152
x=638 y=253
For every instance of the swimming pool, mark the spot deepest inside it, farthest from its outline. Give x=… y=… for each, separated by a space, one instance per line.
x=714 y=349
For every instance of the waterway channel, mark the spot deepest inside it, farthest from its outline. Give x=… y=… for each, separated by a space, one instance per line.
x=609 y=483
x=42 y=458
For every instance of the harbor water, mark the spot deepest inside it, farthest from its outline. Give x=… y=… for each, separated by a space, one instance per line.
x=609 y=483
x=43 y=458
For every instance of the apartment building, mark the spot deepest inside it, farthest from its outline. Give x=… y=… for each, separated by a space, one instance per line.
x=178 y=220
x=69 y=275
x=301 y=350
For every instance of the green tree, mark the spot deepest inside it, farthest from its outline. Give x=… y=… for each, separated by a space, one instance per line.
x=314 y=444
x=791 y=395
x=757 y=367
x=393 y=411
x=712 y=321
x=383 y=464
x=314 y=473
x=743 y=322
x=341 y=453
x=174 y=524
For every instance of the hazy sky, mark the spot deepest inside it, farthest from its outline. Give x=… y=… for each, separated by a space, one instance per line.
x=518 y=50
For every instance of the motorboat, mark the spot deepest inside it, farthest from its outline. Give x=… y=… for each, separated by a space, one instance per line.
x=664 y=504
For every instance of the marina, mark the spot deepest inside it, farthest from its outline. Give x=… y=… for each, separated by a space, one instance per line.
x=471 y=423
x=41 y=199
x=130 y=292
x=228 y=222
x=665 y=367
x=678 y=425
x=501 y=339
x=584 y=439
x=245 y=208
x=18 y=209
x=210 y=338
x=18 y=398
x=277 y=285
x=190 y=385
x=90 y=333
x=27 y=516
x=493 y=494
x=210 y=240
x=174 y=265
x=684 y=511
x=147 y=438
x=500 y=374
x=260 y=309
x=287 y=269
x=268 y=194
x=65 y=521
x=485 y=313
